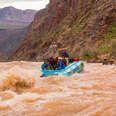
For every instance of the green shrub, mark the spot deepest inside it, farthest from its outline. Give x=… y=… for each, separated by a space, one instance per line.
x=113 y=49
x=111 y=34
x=88 y=53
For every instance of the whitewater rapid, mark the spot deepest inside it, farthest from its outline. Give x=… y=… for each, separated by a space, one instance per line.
x=24 y=93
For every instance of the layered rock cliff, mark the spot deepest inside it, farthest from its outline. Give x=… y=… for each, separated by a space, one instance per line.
x=87 y=28
x=10 y=16
x=13 y=27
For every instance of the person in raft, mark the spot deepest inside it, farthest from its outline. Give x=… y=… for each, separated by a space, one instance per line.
x=67 y=60
x=53 y=64
x=50 y=64
x=58 y=63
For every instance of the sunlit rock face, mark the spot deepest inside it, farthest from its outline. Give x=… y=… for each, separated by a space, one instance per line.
x=89 y=93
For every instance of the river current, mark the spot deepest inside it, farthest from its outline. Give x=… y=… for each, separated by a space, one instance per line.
x=89 y=93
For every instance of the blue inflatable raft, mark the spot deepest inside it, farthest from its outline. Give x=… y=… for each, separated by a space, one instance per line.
x=68 y=71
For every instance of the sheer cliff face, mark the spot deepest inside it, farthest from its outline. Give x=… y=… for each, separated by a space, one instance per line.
x=71 y=24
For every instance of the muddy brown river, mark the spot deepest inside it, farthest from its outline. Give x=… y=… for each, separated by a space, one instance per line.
x=89 y=93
